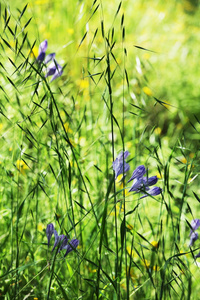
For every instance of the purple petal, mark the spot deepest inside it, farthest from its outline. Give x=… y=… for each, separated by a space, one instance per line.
x=57 y=74
x=71 y=246
x=49 y=232
x=195 y=225
x=198 y=255
x=41 y=56
x=150 y=181
x=54 y=69
x=137 y=184
x=138 y=173
x=58 y=239
x=42 y=50
x=49 y=57
x=43 y=46
x=193 y=238
x=119 y=165
x=64 y=243
x=153 y=192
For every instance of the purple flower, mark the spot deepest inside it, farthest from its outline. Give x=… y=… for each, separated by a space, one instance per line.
x=54 y=69
x=195 y=225
x=42 y=51
x=49 y=57
x=119 y=165
x=150 y=181
x=153 y=192
x=198 y=255
x=49 y=232
x=143 y=183
x=138 y=173
x=193 y=238
x=58 y=239
x=73 y=244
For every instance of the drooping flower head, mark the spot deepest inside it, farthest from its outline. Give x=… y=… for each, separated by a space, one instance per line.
x=54 y=69
x=42 y=51
x=49 y=57
x=143 y=183
x=49 y=232
x=195 y=225
x=58 y=239
x=154 y=191
x=138 y=173
x=193 y=238
x=119 y=165
x=72 y=245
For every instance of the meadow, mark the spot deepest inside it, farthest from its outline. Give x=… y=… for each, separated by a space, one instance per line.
x=94 y=93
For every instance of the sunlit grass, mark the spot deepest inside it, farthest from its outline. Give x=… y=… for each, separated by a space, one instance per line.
x=60 y=138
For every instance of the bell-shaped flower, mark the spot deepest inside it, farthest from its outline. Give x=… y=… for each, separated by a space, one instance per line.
x=138 y=173
x=58 y=239
x=193 y=238
x=154 y=191
x=150 y=181
x=54 y=69
x=194 y=225
x=143 y=183
x=72 y=245
x=119 y=165
x=49 y=58
x=49 y=232
x=198 y=255
x=42 y=51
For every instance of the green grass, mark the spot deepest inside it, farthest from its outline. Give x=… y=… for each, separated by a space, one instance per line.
x=59 y=139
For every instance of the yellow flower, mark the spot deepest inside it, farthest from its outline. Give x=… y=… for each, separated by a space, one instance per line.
x=129 y=226
x=155 y=244
x=70 y=31
x=147 y=264
x=67 y=128
x=41 y=226
x=83 y=83
x=159 y=175
x=131 y=252
x=1 y=126
x=184 y=160
x=21 y=166
x=34 y=52
x=158 y=130
x=147 y=91
x=191 y=155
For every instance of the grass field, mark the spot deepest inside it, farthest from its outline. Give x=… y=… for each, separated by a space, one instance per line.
x=126 y=79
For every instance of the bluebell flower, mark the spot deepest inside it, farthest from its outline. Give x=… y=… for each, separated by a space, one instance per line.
x=61 y=241
x=49 y=57
x=72 y=245
x=138 y=173
x=42 y=51
x=198 y=255
x=150 y=181
x=119 y=165
x=195 y=225
x=143 y=183
x=49 y=232
x=193 y=238
x=54 y=69
x=154 y=191
x=58 y=239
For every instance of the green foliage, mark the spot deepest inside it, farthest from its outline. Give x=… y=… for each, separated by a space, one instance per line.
x=130 y=82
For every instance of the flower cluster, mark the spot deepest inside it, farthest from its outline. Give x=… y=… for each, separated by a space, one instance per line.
x=140 y=183
x=61 y=240
x=54 y=69
x=193 y=234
